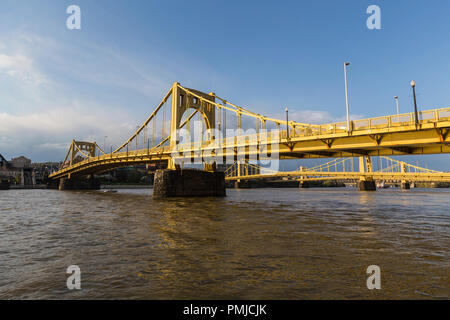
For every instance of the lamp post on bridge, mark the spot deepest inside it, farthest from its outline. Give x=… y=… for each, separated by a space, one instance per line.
x=287 y=123
x=396 y=101
x=104 y=143
x=416 y=116
x=346 y=64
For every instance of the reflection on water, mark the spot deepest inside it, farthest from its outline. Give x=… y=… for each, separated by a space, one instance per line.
x=253 y=244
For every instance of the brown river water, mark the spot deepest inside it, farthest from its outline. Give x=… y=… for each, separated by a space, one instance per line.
x=253 y=244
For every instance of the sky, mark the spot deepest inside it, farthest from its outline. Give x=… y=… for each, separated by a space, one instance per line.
x=105 y=79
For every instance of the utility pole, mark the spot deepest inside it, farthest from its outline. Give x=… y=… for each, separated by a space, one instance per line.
x=287 y=123
x=416 y=115
x=346 y=95
x=396 y=101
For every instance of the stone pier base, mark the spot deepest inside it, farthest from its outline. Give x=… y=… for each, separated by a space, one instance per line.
x=303 y=184
x=242 y=185
x=405 y=186
x=366 y=186
x=188 y=183
x=79 y=183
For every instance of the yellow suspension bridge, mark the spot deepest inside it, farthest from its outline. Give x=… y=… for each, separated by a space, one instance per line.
x=389 y=170
x=230 y=134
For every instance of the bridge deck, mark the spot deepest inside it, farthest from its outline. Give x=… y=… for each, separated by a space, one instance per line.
x=389 y=135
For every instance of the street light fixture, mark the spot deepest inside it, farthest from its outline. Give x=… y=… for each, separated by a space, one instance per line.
x=416 y=116
x=287 y=123
x=104 y=143
x=346 y=95
x=396 y=101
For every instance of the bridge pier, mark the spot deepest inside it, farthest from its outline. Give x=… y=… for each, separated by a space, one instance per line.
x=405 y=186
x=79 y=183
x=242 y=185
x=188 y=183
x=366 y=185
x=303 y=184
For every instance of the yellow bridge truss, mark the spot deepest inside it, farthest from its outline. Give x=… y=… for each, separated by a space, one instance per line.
x=389 y=170
x=157 y=139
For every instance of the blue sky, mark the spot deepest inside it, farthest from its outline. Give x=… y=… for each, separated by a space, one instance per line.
x=103 y=80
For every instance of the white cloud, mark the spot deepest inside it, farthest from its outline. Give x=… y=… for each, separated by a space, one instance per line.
x=21 y=67
x=311 y=116
x=47 y=135
x=40 y=121
x=314 y=116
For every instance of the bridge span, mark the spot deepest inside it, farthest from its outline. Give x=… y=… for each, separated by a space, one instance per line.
x=231 y=134
x=342 y=169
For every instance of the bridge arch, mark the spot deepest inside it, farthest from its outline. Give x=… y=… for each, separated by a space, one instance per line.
x=182 y=101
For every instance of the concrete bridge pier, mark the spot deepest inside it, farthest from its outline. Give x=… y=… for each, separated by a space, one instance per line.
x=188 y=183
x=405 y=185
x=303 y=184
x=79 y=183
x=367 y=185
x=242 y=184
x=365 y=167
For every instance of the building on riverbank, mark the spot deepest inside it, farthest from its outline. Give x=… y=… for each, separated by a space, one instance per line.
x=20 y=171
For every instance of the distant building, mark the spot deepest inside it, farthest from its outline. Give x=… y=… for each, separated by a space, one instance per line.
x=20 y=162
x=3 y=162
x=42 y=171
x=17 y=171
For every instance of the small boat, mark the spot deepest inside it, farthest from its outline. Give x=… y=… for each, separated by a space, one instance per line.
x=109 y=191
x=4 y=184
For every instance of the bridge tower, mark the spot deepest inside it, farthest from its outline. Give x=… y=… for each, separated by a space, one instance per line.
x=181 y=102
x=78 y=148
x=366 y=182
x=302 y=183
x=404 y=184
x=174 y=182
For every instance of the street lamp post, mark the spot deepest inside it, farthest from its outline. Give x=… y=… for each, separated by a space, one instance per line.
x=287 y=123
x=416 y=116
x=346 y=95
x=396 y=101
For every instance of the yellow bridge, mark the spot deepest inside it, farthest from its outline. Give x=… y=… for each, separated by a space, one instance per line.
x=343 y=169
x=229 y=134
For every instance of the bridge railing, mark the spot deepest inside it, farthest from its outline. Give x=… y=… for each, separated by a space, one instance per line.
x=274 y=136
x=384 y=122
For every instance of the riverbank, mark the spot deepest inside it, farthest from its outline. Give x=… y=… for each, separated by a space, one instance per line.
x=22 y=187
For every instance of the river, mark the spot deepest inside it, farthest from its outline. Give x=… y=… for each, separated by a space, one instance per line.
x=253 y=244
